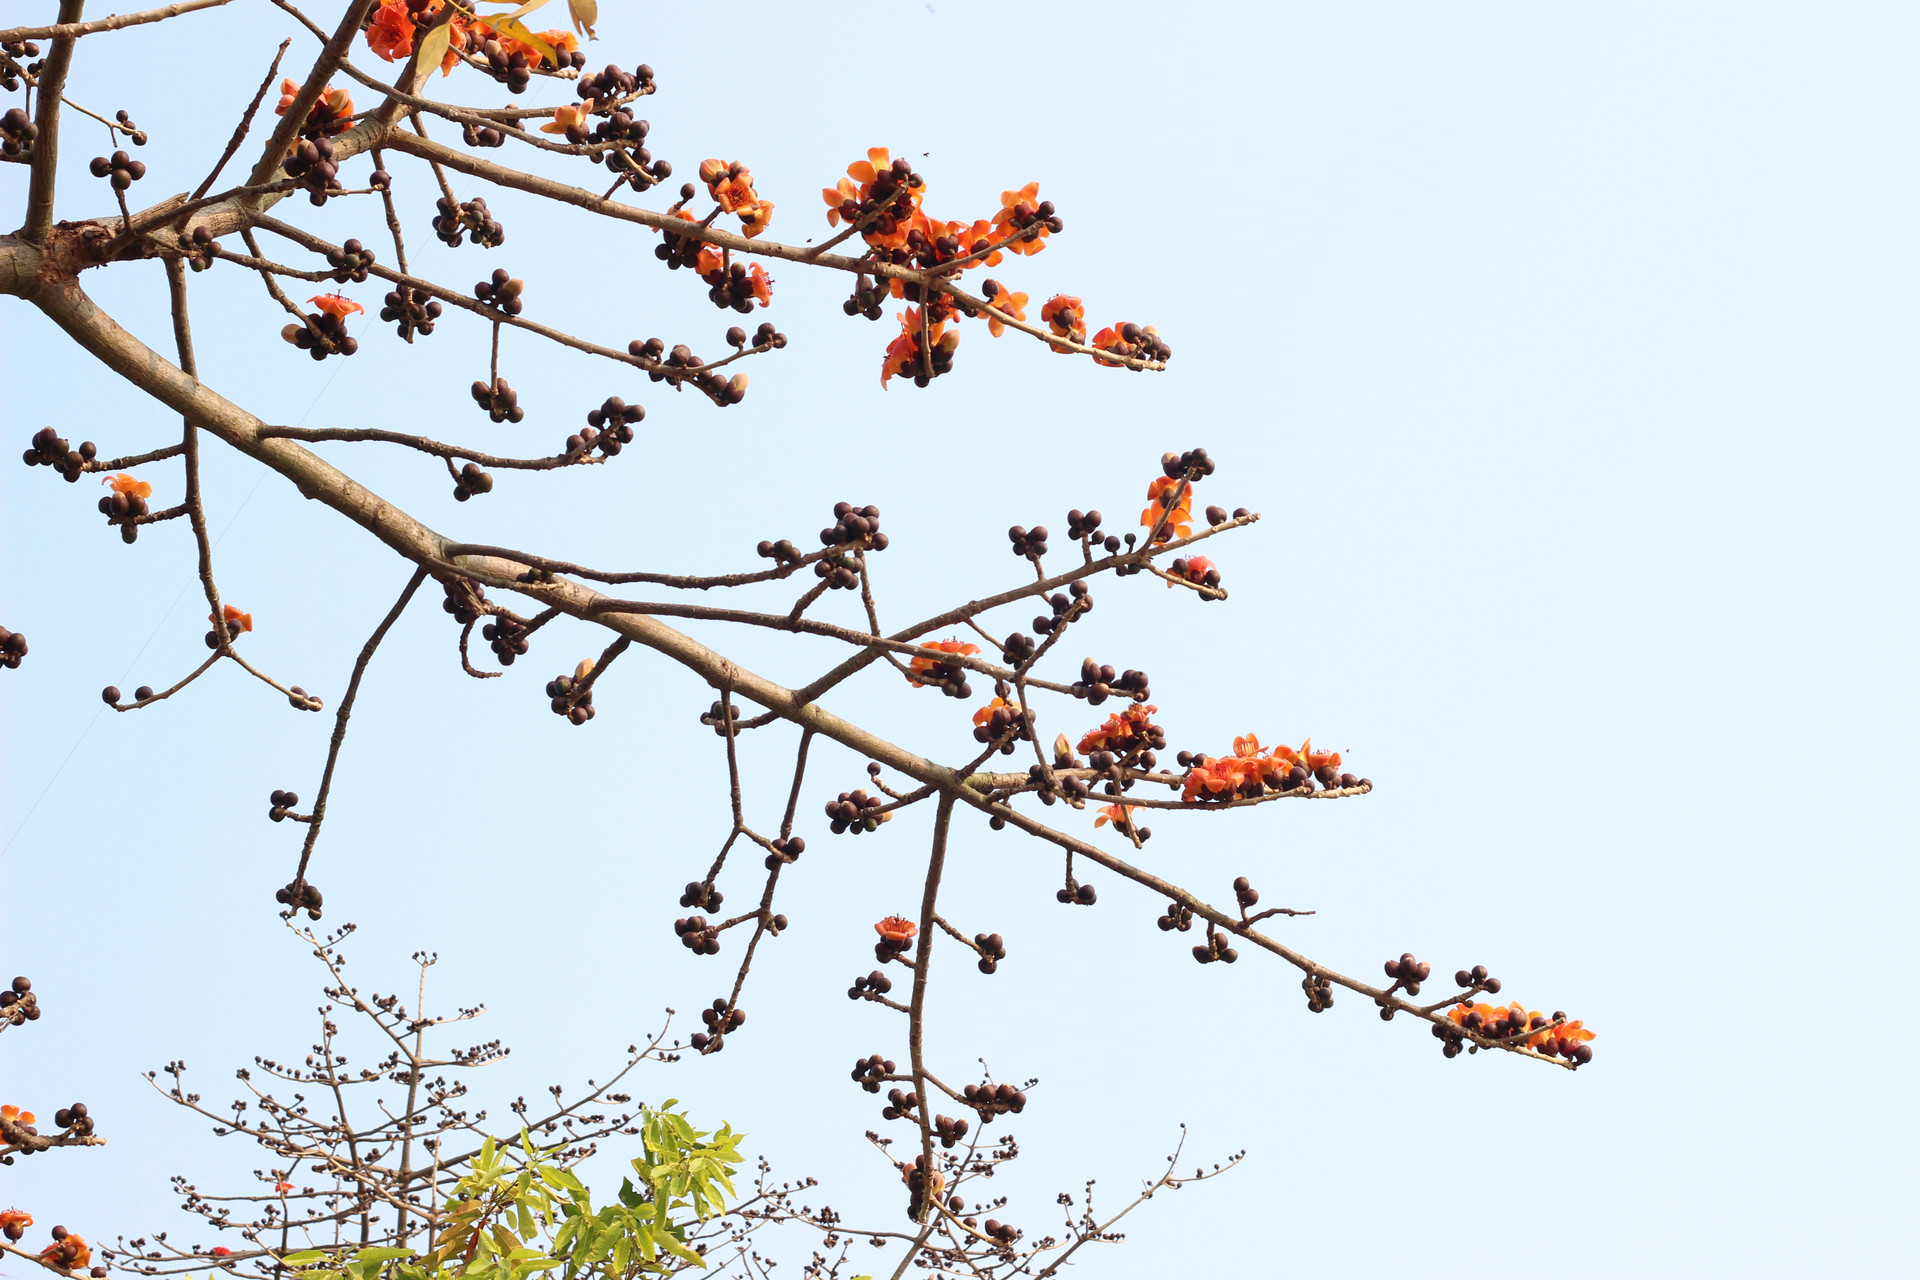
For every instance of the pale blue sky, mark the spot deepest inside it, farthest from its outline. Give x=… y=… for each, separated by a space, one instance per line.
x=1568 y=351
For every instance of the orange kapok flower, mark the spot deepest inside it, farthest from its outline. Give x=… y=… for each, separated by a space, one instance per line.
x=761 y=283
x=925 y=666
x=132 y=486
x=985 y=713
x=755 y=217
x=1019 y=210
x=897 y=929
x=569 y=116
x=220 y=1251
x=333 y=113
x=15 y=1114
x=1194 y=570
x=70 y=1251
x=1160 y=497
x=234 y=615
x=1005 y=301
x=283 y=1187
x=1123 y=731
x=15 y=1219
x=391 y=35
x=903 y=353
x=1120 y=815
x=336 y=305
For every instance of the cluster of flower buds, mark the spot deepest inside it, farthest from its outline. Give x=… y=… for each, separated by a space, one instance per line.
x=235 y=624
x=739 y=286
x=17 y=134
x=111 y=694
x=949 y=1130
x=991 y=1099
x=611 y=82
x=840 y=573
x=854 y=525
x=1198 y=570
x=350 y=262
x=698 y=935
x=781 y=552
x=785 y=849
x=1408 y=973
x=1248 y=897
x=702 y=896
x=120 y=168
x=498 y=400
x=1319 y=991
x=681 y=365
x=1004 y=722
x=199 y=249
x=511 y=67
x=993 y=949
x=467 y=218
x=74 y=1121
x=12 y=69
x=1131 y=341
x=922 y=1184
x=1029 y=543
x=1018 y=648
x=312 y=162
x=1215 y=948
x=1074 y=894
x=1003 y=1232
x=870 y=1071
x=508 y=639
x=481 y=135
x=324 y=333
x=865 y=299
x=19 y=1004
x=1067 y=606
x=613 y=422
x=1177 y=916
x=13 y=649
x=501 y=291
x=127 y=502
x=298 y=895
x=299 y=699
x=1217 y=516
x=719 y=1019
x=470 y=479
x=49 y=449
x=855 y=811
x=567 y=698
x=1476 y=979
x=764 y=338
x=1098 y=682
x=462 y=599
x=1084 y=526
x=876 y=982
x=410 y=312
x=896 y=935
x=1544 y=1033
x=283 y=803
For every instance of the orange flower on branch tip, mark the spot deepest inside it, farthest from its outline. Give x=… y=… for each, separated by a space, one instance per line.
x=1120 y=815
x=761 y=283
x=731 y=185
x=233 y=615
x=903 y=353
x=1126 y=731
x=897 y=929
x=391 y=34
x=1162 y=495
x=15 y=1114
x=220 y=1251
x=1195 y=570
x=12 y=1220
x=131 y=486
x=1005 y=301
x=336 y=305
x=283 y=1187
x=1064 y=314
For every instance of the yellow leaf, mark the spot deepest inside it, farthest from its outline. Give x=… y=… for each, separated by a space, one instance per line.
x=517 y=30
x=585 y=14
x=433 y=49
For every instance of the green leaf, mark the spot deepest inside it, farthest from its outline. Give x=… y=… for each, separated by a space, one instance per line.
x=303 y=1257
x=381 y=1253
